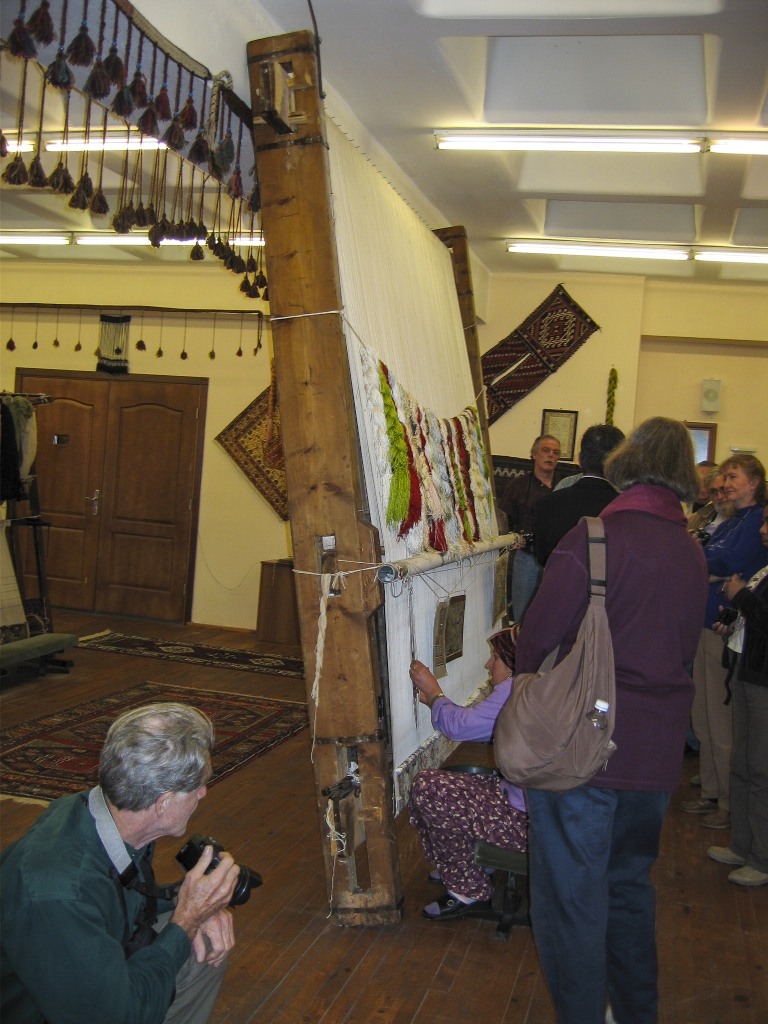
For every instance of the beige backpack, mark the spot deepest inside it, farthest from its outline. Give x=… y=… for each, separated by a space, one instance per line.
x=544 y=737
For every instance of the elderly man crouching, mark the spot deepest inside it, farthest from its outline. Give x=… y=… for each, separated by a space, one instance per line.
x=77 y=945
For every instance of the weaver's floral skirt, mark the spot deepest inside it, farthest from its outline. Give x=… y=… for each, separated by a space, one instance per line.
x=451 y=812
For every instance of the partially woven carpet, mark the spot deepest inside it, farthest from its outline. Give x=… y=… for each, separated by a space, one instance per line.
x=56 y=754
x=194 y=654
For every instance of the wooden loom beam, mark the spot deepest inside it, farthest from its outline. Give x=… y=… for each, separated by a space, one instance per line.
x=324 y=484
x=455 y=238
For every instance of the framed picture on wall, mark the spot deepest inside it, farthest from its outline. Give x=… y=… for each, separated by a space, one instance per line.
x=561 y=423
x=704 y=437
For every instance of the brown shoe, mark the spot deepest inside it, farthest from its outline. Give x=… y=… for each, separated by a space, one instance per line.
x=720 y=819
x=702 y=806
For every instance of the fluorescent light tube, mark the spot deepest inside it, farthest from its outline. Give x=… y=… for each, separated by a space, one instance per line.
x=730 y=256
x=20 y=147
x=106 y=239
x=566 y=144
x=246 y=240
x=620 y=251
x=34 y=240
x=96 y=145
x=745 y=147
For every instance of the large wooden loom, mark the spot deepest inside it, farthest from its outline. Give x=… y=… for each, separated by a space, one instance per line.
x=318 y=382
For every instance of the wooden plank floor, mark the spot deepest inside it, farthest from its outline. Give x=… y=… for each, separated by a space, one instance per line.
x=290 y=964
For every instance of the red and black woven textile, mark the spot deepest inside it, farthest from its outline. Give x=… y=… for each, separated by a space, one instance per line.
x=534 y=350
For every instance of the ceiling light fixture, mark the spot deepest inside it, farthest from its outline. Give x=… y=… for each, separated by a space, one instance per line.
x=740 y=147
x=97 y=146
x=106 y=239
x=20 y=147
x=558 y=143
x=579 y=249
x=34 y=239
x=730 y=256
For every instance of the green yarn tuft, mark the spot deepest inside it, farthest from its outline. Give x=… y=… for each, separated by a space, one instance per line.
x=400 y=488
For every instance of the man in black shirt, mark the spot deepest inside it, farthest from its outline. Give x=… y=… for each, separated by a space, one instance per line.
x=557 y=513
x=518 y=502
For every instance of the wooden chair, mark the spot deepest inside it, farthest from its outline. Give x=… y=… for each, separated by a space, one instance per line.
x=513 y=867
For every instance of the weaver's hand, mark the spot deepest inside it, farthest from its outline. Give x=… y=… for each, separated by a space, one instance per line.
x=424 y=682
x=220 y=932
x=202 y=896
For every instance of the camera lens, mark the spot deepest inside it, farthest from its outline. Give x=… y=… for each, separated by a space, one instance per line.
x=246 y=881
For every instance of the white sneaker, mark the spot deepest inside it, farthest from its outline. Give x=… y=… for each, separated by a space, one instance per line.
x=748 y=876
x=724 y=855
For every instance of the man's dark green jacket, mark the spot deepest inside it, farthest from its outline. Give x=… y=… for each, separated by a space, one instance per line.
x=61 y=958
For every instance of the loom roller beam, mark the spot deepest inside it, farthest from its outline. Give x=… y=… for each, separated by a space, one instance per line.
x=419 y=564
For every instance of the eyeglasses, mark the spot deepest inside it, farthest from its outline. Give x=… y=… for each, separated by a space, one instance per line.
x=717 y=490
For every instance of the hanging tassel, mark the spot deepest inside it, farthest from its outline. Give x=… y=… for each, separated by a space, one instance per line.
x=199 y=152
x=141 y=220
x=223 y=156
x=114 y=67
x=59 y=72
x=140 y=345
x=3 y=146
x=82 y=49
x=99 y=204
x=61 y=181
x=16 y=173
x=10 y=345
x=147 y=122
x=254 y=199
x=245 y=285
x=265 y=295
x=173 y=136
x=97 y=83
x=20 y=42
x=122 y=104
x=197 y=253
x=138 y=89
x=40 y=24
x=188 y=115
x=83 y=193
x=235 y=184
x=37 y=176
x=163 y=104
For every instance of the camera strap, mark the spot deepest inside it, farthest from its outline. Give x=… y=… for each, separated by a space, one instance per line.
x=126 y=875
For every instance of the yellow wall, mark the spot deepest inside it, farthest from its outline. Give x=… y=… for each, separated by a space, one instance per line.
x=664 y=337
x=237 y=528
x=669 y=384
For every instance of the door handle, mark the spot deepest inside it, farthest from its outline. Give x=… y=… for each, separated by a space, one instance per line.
x=95 y=500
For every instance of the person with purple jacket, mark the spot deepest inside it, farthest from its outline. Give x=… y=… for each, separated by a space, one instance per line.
x=452 y=811
x=591 y=848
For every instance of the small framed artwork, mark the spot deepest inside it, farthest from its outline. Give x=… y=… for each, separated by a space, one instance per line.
x=704 y=437
x=561 y=423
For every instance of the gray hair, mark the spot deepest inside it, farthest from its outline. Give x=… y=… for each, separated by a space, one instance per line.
x=155 y=749
x=658 y=451
x=539 y=439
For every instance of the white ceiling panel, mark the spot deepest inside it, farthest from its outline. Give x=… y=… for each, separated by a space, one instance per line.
x=621 y=174
x=756 y=180
x=618 y=80
x=751 y=227
x=647 y=222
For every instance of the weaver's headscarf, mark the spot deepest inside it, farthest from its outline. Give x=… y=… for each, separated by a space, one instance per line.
x=504 y=643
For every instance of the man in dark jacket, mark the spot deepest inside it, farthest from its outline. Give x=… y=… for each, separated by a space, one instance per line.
x=560 y=511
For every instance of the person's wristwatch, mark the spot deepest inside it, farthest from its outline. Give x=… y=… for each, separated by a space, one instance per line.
x=432 y=700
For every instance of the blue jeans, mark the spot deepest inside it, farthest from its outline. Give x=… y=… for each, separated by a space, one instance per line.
x=593 y=906
x=526 y=577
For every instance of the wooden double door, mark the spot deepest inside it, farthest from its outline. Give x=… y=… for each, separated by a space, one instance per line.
x=118 y=471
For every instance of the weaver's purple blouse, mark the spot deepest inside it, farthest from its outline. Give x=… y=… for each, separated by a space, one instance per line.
x=475 y=724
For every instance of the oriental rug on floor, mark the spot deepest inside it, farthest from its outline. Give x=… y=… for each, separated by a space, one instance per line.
x=50 y=756
x=194 y=654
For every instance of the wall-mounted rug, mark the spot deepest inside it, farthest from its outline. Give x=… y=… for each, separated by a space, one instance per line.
x=535 y=350
x=253 y=439
x=194 y=654
x=50 y=756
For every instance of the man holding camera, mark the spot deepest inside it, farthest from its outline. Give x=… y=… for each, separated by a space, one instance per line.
x=86 y=934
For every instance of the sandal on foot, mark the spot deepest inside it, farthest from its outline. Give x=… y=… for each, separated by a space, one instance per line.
x=451 y=909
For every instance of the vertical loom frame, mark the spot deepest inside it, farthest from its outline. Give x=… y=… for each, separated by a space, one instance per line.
x=324 y=487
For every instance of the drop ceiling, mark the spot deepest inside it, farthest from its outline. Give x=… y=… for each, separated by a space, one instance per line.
x=409 y=67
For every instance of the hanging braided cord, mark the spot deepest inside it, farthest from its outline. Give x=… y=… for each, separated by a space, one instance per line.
x=127 y=50
x=22 y=104
x=165 y=71
x=103 y=147
x=178 y=89
x=42 y=111
x=102 y=29
x=154 y=67
x=115 y=26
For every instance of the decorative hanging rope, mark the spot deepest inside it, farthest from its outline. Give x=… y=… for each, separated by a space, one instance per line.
x=610 y=405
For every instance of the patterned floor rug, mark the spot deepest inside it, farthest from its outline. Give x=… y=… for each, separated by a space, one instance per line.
x=194 y=654
x=50 y=756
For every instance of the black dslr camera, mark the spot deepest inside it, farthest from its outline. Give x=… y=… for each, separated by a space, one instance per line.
x=190 y=854
x=529 y=540
x=702 y=536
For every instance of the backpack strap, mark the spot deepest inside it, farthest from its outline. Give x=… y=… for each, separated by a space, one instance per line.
x=596 y=560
